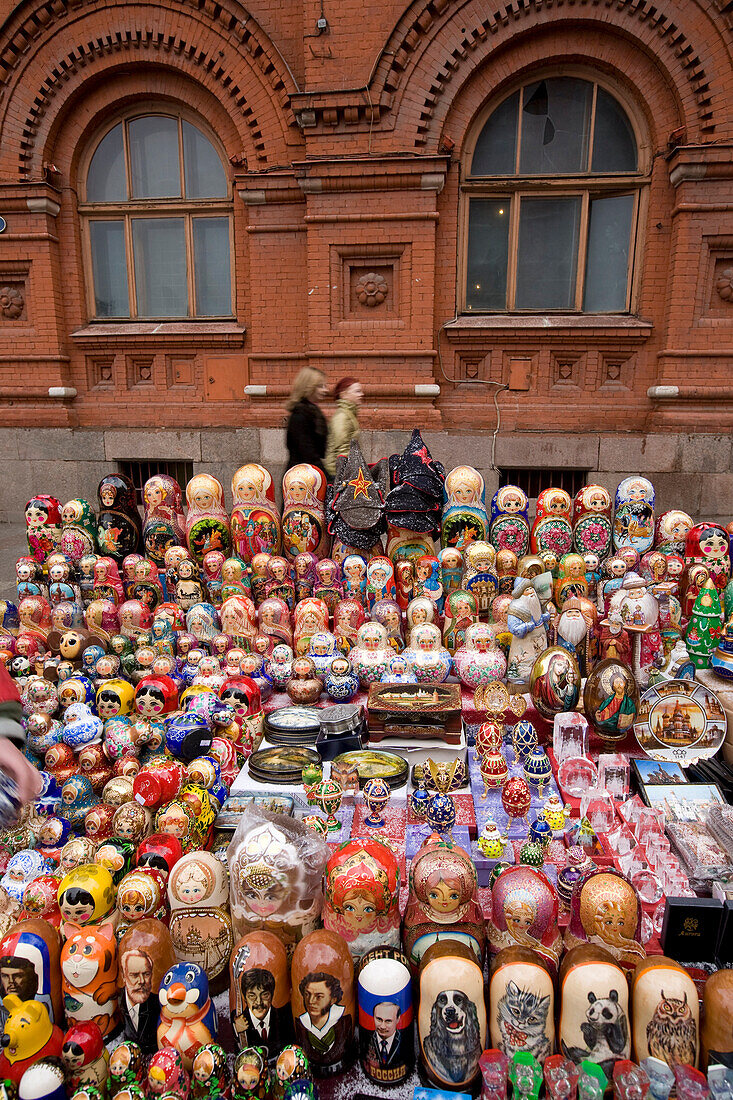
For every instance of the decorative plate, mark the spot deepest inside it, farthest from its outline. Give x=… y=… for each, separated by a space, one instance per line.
x=374 y=764
x=281 y=764
x=680 y=720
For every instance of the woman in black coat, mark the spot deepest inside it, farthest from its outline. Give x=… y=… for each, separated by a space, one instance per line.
x=307 y=428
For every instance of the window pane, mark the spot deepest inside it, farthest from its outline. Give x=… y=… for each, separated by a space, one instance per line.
x=555 y=126
x=109 y=269
x=607 y=265
x=212 y=270
x=154 y=165
x=496 y=149
x=106 y=176
x=488 y=236
x=614 y=144
x=548 y=253
x=204 y=172
x=160 y=267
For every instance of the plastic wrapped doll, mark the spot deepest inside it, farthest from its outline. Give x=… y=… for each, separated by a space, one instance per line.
x=255 y=518
x=348 y=616
x=304 y=520
x=361 y=888
x=43 y=526
x=443 y=900
x=633 y=523
x=79 y=529
x=273 y=618
x=592 y=527
x=552 y=529
x=207 y=523
x=371 y=656
x=464 y=508
x=119 y=530
x=426 y=656
x=524 y=913
x=605 y=910
x=387 y=612
x=509 y=520
x=237 y=616
x=164 y=523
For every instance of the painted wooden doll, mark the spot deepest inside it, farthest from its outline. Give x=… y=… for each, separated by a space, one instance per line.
x=304 y=574
x=304 y=519
x=279 y=582
x=119 y=530
x=670 y=531
x=89 y=978
x=201 y=929
x=524 y=910
x=479 y=574
x=552 y=529
x=507 y=571
x=43 y=526
x=370 y=657
x=521 y=1004
x=234 y=578
x=717 y=1031
x=255 y=517
x=164 y=524
x=633 y=523
x=594 y=1008
x=605 y=910
x=386 y=1041
x=442 y=899
x=323 y=1002
x=451 y=1019
x=30 y=965
x=348 y=616
x=145 y=954
x=451 y=570
x=187 y=1015
x=509 y=520
x=79 y=529
x=464 y=508
x=207 y=523
x=707 y=544
x=273 y=619
x=328 y=585
x=461 y=610
x=592 y=526
x=571 y=579
x=209 y=1073
x=380 y=580
x=259 y=992
x=311 y=617
x=361 y=888
x=666 y=1012
x=251 y=1075
x=238 y=619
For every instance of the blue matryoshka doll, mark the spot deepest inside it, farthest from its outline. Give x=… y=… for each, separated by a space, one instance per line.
x=633 y=523
x=510 y=520
x=464 y=508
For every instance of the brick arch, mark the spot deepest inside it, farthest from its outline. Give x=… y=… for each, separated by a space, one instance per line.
x=48 y=51
x=439 y=42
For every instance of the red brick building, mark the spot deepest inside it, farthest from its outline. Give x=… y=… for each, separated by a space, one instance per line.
x=511 y=215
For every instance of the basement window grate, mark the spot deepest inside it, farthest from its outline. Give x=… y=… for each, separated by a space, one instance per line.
x=534 y=479
x=139 y=470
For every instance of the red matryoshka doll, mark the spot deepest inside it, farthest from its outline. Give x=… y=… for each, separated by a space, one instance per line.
x=279 y=581
x=163 y=524
x=238 y=619
x=404 y=575
x=461 y=609
x=653 y=567
x=30 y=965
x=140 y=895
x=156 y=696
x=259 y=993
x=328 y=585
x=43 y=526
x=207 y=523
x=443 y=900
x=592 y=527
x=119 y=530
x=552 y=529
x=451 y=1017
x=707 y=544
x=160 y=852
x=380 y=580
x=145 y=955
x=242 y=694
x=354 y=577
x=348 y=616
x=522 y=1004
x=179 y=819
x=524 y=910
x=304 y=521
x=633 y=523
x=509 y=528
x=89 y=978
x=167 y=1075
x=34 y=615
x=255 y=518
x=85 y=1057
x=273 y=620
x=361 y=889
x=79 y=529
x=135 y=619
x=201 y=928
x=666 y=1012
x=323 y=1002
x=594 y=1022
x=671 y=530
x=605 y=910
x=211 y=569
x=464 y=508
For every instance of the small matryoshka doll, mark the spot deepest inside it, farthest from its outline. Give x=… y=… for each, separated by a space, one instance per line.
x=571 y=580
x=592 y=527
x=34 y=615
x=323 y=1002
x=371 y=656
x=234 y=577
x=670 y=531
x=207 y=523
x=442 y=899
x=126 y=1066
x=131 y=822
x=479 y=574
x=380 y=580
x=594 y=1022
x=259 y=992
x=386 y=1041
x=79 y=529
x=666 y=1012
x=251 y=1074
x=209 y=1073
x=427 y=579
x=179 y=819
x=164 y=524
x=354 y=574
x=279 y=581
x=85 y=1057
x=89 y=978
x=304 y=575
x=605 y=910
x=273 y=620
x=522 y=1004
x=86 y=896
x=361 y=888
x=524 y=909
x=464 y=508
x=119 y=530
x=451 y=999
x=156 y=696
x=509 y=520
x=348 y=616
x=102 y=618
x=552 y=529
x=461 y=609
x=135 y=619
x=451 y=570
x=198 y=895
x=43 y=526
x=507 y=571
x=633 y=523
x=707 y=544
x=255 y=518
x=140 y=896
x=129 y=564
x=304 y=520
x=167 y=1074
x=291 y=1066
x=238 y=617
x=328 y=585
x=404 y=579
x=147 y=586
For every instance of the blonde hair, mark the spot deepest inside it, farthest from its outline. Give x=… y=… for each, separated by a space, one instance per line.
x=306 y=383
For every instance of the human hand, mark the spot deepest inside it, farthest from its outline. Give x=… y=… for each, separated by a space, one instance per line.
x=27 y=778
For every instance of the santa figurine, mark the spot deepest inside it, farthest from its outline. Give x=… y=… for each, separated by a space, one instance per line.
x=527 y=623
x=639 y=612
x=615 y=641
x=572 y=632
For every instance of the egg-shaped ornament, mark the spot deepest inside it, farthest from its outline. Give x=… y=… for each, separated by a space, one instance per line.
x=555 y=682
x=611 y=699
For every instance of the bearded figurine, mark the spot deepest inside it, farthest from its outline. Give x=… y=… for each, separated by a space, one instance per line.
x=640 y=615
x=572 y=633
x=527 y=624
x=615 y=640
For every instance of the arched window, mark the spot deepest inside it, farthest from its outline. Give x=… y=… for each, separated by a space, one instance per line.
x=551 y=202
x=158 y=221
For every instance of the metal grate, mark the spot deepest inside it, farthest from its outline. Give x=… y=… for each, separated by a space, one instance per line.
x=533 y=480
x=139 y=470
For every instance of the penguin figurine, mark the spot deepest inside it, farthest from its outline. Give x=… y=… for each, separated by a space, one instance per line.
x=187 y=1015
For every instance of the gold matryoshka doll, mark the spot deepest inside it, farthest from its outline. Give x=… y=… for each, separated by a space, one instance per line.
x=201 y=929
x=605 y=910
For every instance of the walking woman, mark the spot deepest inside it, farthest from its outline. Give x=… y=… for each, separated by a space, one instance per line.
x=344 y=424
x=307 y=429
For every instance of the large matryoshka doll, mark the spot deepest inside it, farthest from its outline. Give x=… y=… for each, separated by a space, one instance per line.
x=79 y=529
x=670 y=531
x=348 y=616
x=633 y=523
x=605 y=910
x=323 y=1002
x=29 y=958
x=34 y=615
x=464 y=508
x=89 y=977
x=361 y=889
x=238 y=619
x=592 y=526
x=524 y=910
x=201 y=929
x=443 y=901
x=594 y=1020
x=707 y=544
x=666 y=1013
x=164 y=524
x=552 y=529
x=451 y=1018
x=304 y=516
x=259 y=993
x=509 y=528
x=207 y=523
x=522 y=1004
x=255 y=518
x=372 y=655
x=43 y=526
x=386 y=1030
x=119 y=530
x=717 y=1031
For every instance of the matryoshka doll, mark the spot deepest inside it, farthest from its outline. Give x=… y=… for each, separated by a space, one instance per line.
x=102 y=618
x=304 y=575
x=135 y=619
x=179 y=819
x=167 y=1075
x=348 y=616
x=43 y=526
x=201 y=929
x=666 y=1013
x=426 y=656
x=211 y=569
x=234 y=578
x=86 y=896
x=156 y=696
x=126 y=1067
x=451 y=999
x=361 y=888
x=259 y=992
x=707 y=544
x=140 y=896
x=79 y=529
x=451 y=572
x=404 y=579
x=273 y=620
x=311 y=617
x=524 y=910
x=717 y=1031
x=147 y=586
x=238 y=618
x=386 y=1040
x=255 y=518
x=291 y=1066
x=370 y=657
x=427 y=579
x=328 y=585
x=633 y=523
x=507 y=571
x=251 y=1075
x=304 y=519
x=31 y=951
x=164 y=524
x=592 y=527
x=209 y=1073
x=380 y=580
x=323 y=1002
x=522 y=1004
x=34 y=615
x=443 y=900
x=464 y=508
x=509 y=528
x=89 y=978
x=479 y=574
x=207 y=523
x=279 y=581
x=571 y=579
x=119 y=530
x=605 y=910
x=552 y=529
x=594 y=1022
x=387 y=612
x=670 y=531
x=85 y=1057
x=354 y=573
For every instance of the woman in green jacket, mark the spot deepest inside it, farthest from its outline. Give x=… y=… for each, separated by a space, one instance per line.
x=343 y=427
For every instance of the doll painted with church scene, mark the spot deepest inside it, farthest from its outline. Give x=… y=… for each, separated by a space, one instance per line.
x=605 y=910
x=255 y=517
x=464 y=508
x=201 y=929
x=207 y=523
x=164 y=524
x=479 y=574
x=304 y=517
x=524 y=908
x=509 y=520
x=361 y=888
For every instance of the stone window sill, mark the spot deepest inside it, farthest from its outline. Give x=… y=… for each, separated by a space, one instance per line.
x=591 y=324
x=151 y=333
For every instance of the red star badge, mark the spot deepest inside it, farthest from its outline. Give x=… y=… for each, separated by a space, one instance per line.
x=361 y=485
x=423 y=455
